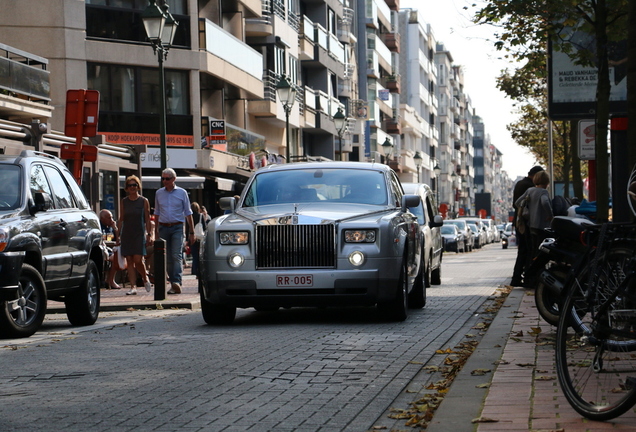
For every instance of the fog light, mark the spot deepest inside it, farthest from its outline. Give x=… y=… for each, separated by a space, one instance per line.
x=236 y=260
x=356 y=258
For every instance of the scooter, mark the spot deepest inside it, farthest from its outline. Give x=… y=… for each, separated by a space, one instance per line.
x=558 y=255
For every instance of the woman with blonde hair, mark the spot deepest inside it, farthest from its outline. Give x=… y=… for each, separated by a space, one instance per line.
x=136 y=233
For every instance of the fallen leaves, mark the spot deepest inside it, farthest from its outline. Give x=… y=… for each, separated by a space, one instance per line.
x=484 y=420
x=479 y=372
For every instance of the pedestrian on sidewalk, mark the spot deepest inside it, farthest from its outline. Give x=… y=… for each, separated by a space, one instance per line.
x=197 y=217
x=540 y=211
x=111 y=234
x=172 y=210
x=134 y=225
x=523 y=240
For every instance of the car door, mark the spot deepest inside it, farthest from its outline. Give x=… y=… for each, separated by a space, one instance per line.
x=50 y=227
x=435 y=234
x=73 y=220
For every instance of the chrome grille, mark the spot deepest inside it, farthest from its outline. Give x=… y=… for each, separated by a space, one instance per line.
x=295 y=246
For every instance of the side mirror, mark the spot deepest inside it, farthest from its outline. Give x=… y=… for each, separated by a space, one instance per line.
x=43 y=202
x=227 y=203
x=410 y=201
x=436 y=222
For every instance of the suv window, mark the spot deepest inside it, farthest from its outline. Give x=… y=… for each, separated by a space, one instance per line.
x=63 y=197
x=11 y=187
x=38 y=181
x=80 y=199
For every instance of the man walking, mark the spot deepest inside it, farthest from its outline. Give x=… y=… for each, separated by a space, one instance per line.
x=172 y=211
x=523 y=240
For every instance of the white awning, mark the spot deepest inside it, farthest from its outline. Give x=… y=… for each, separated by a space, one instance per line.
x=225 y=184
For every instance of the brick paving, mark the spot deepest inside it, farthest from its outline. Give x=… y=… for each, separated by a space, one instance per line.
x=524 y=394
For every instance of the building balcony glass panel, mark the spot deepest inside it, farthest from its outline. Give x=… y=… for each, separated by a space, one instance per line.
x=371 y=13
x=383 y=52
x=336 y=49
x=309 y=29
x=310 y=99
x=373 y=65
x=322 y=37
x=232 y=50
x=384 y=12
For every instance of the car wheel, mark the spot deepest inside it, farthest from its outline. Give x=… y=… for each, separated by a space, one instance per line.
x=23 y=316
x=397 y=309
x=417 y=297
x=215 y=314
x=82 y=307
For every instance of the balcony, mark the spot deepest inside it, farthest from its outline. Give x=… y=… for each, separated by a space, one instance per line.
x=392 y=127
x=392 y=41
x=230 y=59
x=394 y=5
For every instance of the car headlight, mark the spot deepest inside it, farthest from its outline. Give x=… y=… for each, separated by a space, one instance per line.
x=356 y=258
x=234 y=238
x=235 y=260
x=4 y=238
x=359 y=236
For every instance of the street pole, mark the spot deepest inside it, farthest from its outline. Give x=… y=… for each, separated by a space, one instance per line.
x=162 y=111
x=287 y=152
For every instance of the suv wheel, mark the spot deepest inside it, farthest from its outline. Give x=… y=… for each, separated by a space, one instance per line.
x=23 y=316
x=82 y=307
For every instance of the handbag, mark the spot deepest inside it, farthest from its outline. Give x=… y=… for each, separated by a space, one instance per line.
x=523 y=213
x=199 y=232
x=121 y=260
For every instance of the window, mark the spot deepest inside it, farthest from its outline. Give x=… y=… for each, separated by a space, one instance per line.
x=279 y=61
x=38 y=181
x=62 y=195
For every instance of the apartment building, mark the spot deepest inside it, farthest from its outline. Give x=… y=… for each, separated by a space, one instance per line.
x=419 y=99
x=223 y=67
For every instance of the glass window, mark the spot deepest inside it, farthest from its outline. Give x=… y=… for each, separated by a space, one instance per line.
x=62 y=194
x=10 y=197
x=177 y=92
x=78 y=194
x=38 y=181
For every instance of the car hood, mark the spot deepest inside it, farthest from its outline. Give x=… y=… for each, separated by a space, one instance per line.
x=307 y=214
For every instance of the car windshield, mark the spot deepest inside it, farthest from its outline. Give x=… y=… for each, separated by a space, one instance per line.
x=10 y=196
x=448 y=229
x=317 y=185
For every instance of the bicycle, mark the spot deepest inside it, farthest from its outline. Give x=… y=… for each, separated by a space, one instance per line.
x=596 y=334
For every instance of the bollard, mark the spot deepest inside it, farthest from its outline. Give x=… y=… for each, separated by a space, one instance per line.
x=160 y=269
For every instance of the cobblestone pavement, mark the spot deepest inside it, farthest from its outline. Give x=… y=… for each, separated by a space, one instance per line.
x=293 y=370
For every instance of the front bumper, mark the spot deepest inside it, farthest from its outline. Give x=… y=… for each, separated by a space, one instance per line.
x=330 y=287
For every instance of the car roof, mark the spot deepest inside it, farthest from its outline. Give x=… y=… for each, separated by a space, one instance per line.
x=416 y=188
x=329 y=164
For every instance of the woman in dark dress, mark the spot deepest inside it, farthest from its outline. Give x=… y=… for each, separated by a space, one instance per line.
x=136 y=234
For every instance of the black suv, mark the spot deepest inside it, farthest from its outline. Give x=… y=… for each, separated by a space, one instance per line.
x=50 y=244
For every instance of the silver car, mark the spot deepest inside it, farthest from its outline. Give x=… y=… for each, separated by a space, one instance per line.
x=313 y=234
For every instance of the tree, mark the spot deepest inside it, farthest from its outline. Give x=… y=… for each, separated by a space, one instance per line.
x=527 y=25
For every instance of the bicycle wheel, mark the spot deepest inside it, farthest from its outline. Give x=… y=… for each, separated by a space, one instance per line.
x=596 y=351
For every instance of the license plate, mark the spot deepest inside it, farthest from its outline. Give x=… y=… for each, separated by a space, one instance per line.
x=294 y=280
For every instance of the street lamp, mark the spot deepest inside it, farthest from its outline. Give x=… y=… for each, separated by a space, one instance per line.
x=340 y=122
x=287 y=95
x=437 y=170
x=418 y=163
x=387 y=147
x=160 y=28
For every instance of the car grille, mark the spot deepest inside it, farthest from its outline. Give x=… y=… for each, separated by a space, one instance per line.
x=295 y=246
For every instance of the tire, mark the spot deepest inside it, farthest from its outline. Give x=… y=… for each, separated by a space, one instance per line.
x=547 y=304
x=397 y=309
x=417 y=297
x=82 y=307
x=23 y=316
x=594 y=360
x=214 y=314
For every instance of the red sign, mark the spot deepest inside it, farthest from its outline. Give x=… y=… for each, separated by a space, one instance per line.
x=88 y=153
x=82 y=113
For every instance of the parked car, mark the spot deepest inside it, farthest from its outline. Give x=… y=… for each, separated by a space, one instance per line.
x=480 y=236
x=480 y=231
x=509 y=237
x=50 y=242
x=453 y=238
x=431 y=241
x=469 y=235
x=313 y=234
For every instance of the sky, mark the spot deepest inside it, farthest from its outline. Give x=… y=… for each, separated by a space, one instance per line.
x=471 y=46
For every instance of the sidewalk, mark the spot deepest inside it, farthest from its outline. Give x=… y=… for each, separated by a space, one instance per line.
x=117 y=300
x=524 y=393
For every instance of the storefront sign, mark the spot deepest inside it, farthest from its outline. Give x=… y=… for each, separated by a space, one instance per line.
x=177 y=158
x=147 y=139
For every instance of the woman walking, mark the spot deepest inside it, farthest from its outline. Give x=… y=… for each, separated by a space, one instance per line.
x=136 y=234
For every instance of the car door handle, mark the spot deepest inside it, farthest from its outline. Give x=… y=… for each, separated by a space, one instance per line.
x=63 y=223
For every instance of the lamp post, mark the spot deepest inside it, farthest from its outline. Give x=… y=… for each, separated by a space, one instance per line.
x=160 y=28
x=437 y=170
x=287 y=95
x=418 y=163
x=340 y=122
x=387 y=147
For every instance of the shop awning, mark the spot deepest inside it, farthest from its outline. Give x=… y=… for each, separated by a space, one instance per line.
x=154 y=182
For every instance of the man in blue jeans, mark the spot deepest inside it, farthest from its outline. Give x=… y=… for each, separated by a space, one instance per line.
x=172 y=212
